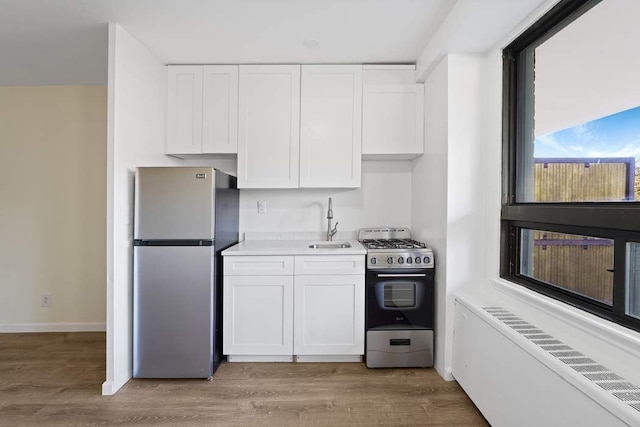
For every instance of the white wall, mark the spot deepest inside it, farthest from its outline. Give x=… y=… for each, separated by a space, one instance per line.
x=590 y=69
x=52 y=191
x=465 y=202
x=383 y=200
x=136 y=111
x=136 y=123
x=429 y=188
x=448 y=209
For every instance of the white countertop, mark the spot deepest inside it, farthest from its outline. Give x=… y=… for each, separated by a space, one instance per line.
x=292 y=247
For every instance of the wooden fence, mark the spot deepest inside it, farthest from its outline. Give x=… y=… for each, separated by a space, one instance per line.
x=578 y=263
x=584 y=180
x=581 y=264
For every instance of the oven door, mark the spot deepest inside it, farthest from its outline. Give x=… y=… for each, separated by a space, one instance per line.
x=400 y=298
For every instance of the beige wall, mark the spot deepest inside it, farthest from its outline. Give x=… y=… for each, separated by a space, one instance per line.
x=52 y=207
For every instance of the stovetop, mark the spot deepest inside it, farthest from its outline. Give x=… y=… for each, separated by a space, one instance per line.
x=392 y=244
x=394 y=248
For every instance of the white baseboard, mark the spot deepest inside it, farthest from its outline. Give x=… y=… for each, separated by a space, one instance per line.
x=446 y=374
x=52 y=327
x=257 y=358
x=110 y=388
x=107 y=388
x=324 y=358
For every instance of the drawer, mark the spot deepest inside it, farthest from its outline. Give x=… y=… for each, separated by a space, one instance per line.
x=399 y=348
x=258 y=266
x=329 y=264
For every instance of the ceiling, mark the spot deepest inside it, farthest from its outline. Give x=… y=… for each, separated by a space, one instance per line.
x=58 y=42
x=65 y=41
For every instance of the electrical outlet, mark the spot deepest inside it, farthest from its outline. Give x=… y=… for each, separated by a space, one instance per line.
x=262 y=206
x=45 y=300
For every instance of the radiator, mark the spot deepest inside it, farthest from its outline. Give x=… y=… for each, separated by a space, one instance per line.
x=519 y=374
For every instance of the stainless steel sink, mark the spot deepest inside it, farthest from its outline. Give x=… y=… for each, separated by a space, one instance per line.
x=330 y=245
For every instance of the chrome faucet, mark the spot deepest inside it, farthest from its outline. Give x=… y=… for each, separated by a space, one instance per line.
x=330 y=232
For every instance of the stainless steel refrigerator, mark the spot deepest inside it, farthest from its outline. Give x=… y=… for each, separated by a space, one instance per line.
x=184 y=218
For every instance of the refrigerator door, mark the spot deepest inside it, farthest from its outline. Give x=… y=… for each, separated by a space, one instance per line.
x=174 y=203
x=173 y=311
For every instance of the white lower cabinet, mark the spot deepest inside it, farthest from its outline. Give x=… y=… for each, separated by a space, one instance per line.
x=329 y=315
x=258 y=315
x=314 y=316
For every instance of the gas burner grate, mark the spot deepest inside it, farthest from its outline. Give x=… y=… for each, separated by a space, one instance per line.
x=374 y=244
x=393 y=244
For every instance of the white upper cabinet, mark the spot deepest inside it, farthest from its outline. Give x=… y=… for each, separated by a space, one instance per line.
x=330 y=126
x=184 y=110
x=269 y=126
x=295 y=126
x=392 y=115
x=202 y=110
x=220 y=109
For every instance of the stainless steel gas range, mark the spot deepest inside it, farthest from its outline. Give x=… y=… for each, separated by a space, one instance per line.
x=400 y=294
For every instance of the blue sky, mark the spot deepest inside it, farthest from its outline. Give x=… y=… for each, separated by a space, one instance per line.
x=617 y=135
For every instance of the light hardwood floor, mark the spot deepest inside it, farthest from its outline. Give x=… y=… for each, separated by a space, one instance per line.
x=55 y=379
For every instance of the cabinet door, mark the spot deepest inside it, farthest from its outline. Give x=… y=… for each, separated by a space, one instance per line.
x=269 y=126
x=184 y=109
x=330 y=126
x=329 y=315
x=220 y=109
x=258 y=315
x=393 y=121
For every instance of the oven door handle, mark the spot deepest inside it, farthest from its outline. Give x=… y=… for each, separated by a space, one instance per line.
x=402 y=275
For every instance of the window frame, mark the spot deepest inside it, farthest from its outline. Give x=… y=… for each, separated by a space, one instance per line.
x=619 y=221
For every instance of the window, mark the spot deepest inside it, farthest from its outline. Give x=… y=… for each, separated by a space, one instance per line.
x=577 y=263
x=570 y=220
x=633 y=280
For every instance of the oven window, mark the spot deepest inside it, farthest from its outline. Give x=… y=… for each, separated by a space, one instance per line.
x=399 y=295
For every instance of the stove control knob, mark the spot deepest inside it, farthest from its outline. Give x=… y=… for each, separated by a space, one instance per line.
x=409 y=260
x=426 y=260
x=418 y=260
x=374 y=260
x=400 y=260
x=390 y=260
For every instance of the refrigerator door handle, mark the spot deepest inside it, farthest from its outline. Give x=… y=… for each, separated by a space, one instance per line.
x=173 y=242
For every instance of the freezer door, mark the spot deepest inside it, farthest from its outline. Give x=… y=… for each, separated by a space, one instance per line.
x=173 y=311
x=174 y=203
